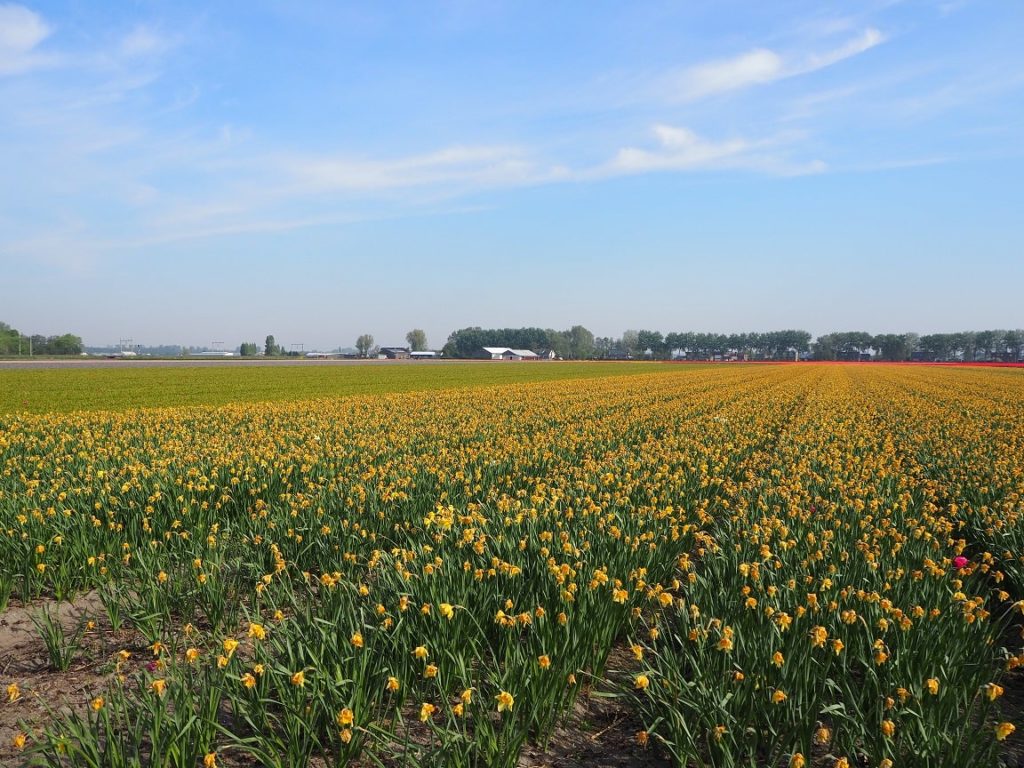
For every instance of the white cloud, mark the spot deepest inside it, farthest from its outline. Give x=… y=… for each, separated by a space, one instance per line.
x=680 y=149
x=758 y=67
x=458 y=165
x=21 y=32
x=144 y=41
x=752 y=68
x=864 y=42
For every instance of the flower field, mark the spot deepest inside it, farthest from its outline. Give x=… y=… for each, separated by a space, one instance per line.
x=798 y=565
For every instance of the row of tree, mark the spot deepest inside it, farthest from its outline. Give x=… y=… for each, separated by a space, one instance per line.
x=576 y=343
x=967 y=346
x=14 y=342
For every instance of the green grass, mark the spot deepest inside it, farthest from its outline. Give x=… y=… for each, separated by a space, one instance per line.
x=57 y=390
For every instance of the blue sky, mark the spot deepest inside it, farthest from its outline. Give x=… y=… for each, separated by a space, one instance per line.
x=183 y=172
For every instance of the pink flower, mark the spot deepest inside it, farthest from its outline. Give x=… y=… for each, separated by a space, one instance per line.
x=960 y=562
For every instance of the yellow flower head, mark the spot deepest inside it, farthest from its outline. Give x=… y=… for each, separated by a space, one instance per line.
x=818 y=636
x=505 y=701
x=640 y=682
x=1003 y=730
x=13 y=692
x=97 y=704
x=345 y=718
x=420 y=652
x=210 y=760
x=299 y=678
x=426 y=712
x=357 y=639
x=393 y=684
x=446 y=610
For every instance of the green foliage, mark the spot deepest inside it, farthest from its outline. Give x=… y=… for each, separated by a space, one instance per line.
x=49 y=390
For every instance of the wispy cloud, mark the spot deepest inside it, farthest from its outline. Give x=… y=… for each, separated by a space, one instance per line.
x=758 y=67
x=21 y=32
x=457 y=165
x=680 y=149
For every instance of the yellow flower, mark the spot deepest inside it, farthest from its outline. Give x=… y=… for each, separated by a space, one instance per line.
x=357 y=639
x=257 y=631
x=345 y=735
x=222 y=661
x=393 y=684
x=837 y=646
x=822 y=736
x=18 y=742
x=778 y=696
x=888 y=728
x=230 y=645
x=544 y=661
x=97 y=704
x=210 y=760
x=345 y=717
x=299 y=678
x=932 y=684
x=638 y=652
x=420 y=652
x=191 y=655
x=13 y=692
x=430 y=671
x=778 y=659
x=248 y=680
x=797 y=761
x=1003 y=730
x=993 y=691
x=446 y=610
x=426 y=711
x=158 y=687
x=818 y=637
x=642 y=738
x=640 y=682
x=466 y=696
x=505 y=701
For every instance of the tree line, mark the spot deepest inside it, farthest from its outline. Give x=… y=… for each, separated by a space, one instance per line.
x=578 y=343
x=14 y=342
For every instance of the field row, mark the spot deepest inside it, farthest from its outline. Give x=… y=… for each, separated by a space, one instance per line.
x=804 y=566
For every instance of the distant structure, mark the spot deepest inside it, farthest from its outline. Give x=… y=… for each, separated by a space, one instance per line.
x=426 y=354
x=393 y=353
x=506 y=353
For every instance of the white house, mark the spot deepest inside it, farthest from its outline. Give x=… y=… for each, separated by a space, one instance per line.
x=506 y=353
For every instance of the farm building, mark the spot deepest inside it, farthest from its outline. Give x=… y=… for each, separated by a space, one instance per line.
x=394 y=353
x=427 y=354
x=506 y=353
